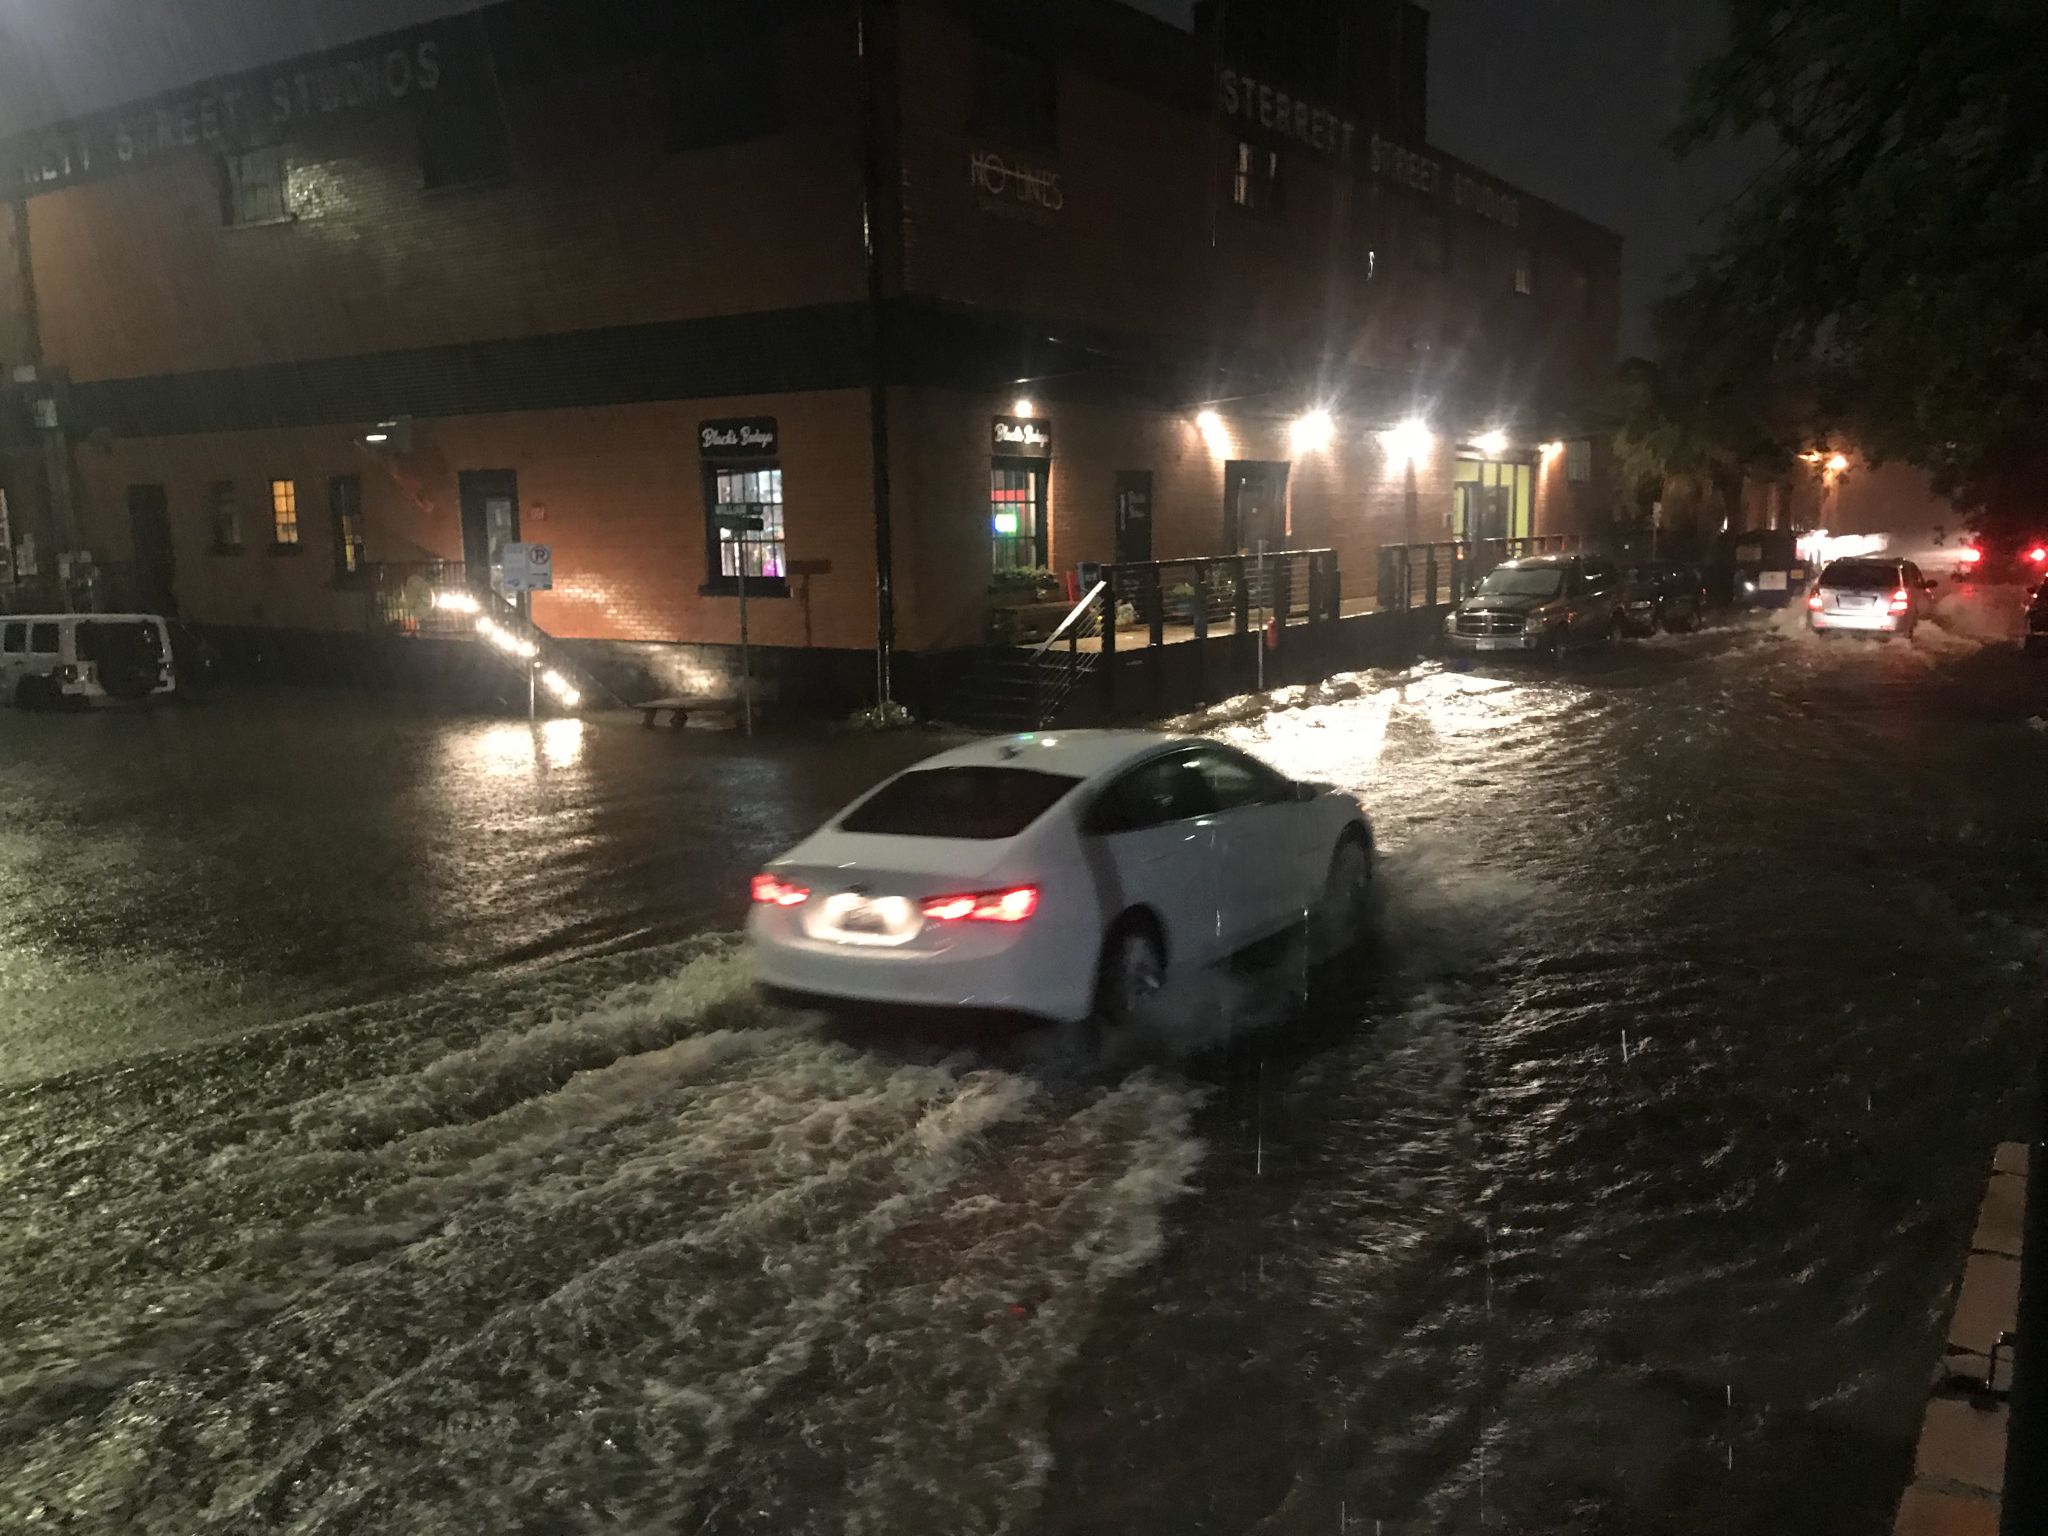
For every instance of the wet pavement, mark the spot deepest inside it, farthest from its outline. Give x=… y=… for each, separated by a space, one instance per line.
x=389 y=1141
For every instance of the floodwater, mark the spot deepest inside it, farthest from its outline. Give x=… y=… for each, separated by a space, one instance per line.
x=389 y=1141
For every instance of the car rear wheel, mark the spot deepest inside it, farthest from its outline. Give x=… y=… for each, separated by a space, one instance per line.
x=1339 y=918
x=1132 y=970
x=34 y=693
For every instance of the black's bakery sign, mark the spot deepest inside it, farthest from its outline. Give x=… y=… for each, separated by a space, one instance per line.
x=240 y=112
x=1021 y=437
x=739 y=437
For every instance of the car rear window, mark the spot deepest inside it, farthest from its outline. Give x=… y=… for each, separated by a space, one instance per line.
x=980 y=803
x=1860 y=575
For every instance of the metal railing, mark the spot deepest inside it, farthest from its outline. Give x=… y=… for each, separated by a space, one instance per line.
x=1423 y=575
x=402 y=597
x=1211 y=592
x=1058 y=663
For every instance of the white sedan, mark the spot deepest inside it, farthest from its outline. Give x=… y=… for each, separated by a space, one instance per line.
x=1057 y=877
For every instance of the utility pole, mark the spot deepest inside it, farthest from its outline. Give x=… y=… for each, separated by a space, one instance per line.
x=868 y=42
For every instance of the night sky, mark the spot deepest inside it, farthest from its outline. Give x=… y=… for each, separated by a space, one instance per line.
x=1569 y=99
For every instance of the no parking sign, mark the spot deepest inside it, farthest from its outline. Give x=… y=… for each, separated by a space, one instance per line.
x=527 y=567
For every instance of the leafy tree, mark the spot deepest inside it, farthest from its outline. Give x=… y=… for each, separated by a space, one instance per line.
x=1895 y=251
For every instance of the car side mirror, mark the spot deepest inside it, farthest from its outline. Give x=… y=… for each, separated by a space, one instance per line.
x=1305 y=792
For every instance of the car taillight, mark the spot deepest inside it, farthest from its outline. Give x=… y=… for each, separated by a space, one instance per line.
x=1970 y=555
x=1900 y=601
x=1009 y=906
x=2038 y=554
x=67 y=673
x=770 y=891
x=1816 y=602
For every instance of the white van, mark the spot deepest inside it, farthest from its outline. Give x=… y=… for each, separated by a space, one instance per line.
x=49 y=660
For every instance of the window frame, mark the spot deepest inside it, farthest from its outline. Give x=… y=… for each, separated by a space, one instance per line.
x=716 y=583
x=279 y=514
x=51 y=628
x=338 y=516
x=231 y=188
x=1263 y=197
x=1578 y=461
x=223 y=510
x=433 y=110
x=14 y=638
x=1039 y=502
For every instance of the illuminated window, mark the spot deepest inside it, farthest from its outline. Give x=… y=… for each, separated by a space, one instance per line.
x=1578 y=461
x=254 y=188
x=284 y=514
x=1525 y=271
x=225 y=516
x=345 y=506
x=739 y=495
x=1255 y=178
x=1016 y=507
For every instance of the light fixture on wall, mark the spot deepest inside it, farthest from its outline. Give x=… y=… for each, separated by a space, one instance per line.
x=1408 y=442
x=1838 y=462
x=1492 y=443
x=1552 y=449
x=1023 y=406
x=1313 y=430
x=1209 y=422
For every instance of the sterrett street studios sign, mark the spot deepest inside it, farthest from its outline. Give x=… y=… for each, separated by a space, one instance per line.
x=240 y=112
x=1249 y=102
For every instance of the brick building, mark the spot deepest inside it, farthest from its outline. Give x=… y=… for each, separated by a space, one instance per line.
x=579 y=273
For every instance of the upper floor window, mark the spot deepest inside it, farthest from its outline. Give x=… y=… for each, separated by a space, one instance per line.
x=725 y=92
x=1016 y=97
x=462 y=138
x=345 y=508
x=226 y=518
x=284 y=514
x=1525 y=270
x=1432 y=248
x=1255 y=178
x=1578 y=461
x=254 y=188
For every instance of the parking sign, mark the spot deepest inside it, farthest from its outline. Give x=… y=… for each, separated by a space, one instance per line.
x=527 y=567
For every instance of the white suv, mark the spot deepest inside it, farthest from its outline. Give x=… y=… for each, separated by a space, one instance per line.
x=53 y=659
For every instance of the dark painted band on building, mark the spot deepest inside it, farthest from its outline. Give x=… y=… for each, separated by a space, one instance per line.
x=789 y=351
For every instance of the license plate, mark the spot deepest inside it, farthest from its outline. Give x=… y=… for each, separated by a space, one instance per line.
x=1770 y=581
x=864 y=918
x=1497 y=643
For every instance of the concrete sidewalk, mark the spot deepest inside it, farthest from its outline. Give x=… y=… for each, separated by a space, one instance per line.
x=1959 y=1469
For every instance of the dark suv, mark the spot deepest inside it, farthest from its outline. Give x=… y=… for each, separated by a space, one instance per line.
x=1546 y=603
x=1657 y=595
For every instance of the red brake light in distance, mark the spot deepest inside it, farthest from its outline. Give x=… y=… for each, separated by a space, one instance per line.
x=2038 y=554
x=1900 y=601
x=1010 y=906
x=1970 y=554
x=1816 y=602
x=772 y=892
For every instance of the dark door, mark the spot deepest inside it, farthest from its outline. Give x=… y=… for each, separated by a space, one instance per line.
x=1484 y=513
x=149 y=533
x=490 y=520
x=1254 y=506
x=1133 y=515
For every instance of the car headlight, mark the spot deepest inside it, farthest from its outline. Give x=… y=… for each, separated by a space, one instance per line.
x=1535 y=624
x=1451 y=622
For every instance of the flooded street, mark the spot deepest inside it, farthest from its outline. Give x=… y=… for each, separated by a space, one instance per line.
x=389 y=1141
